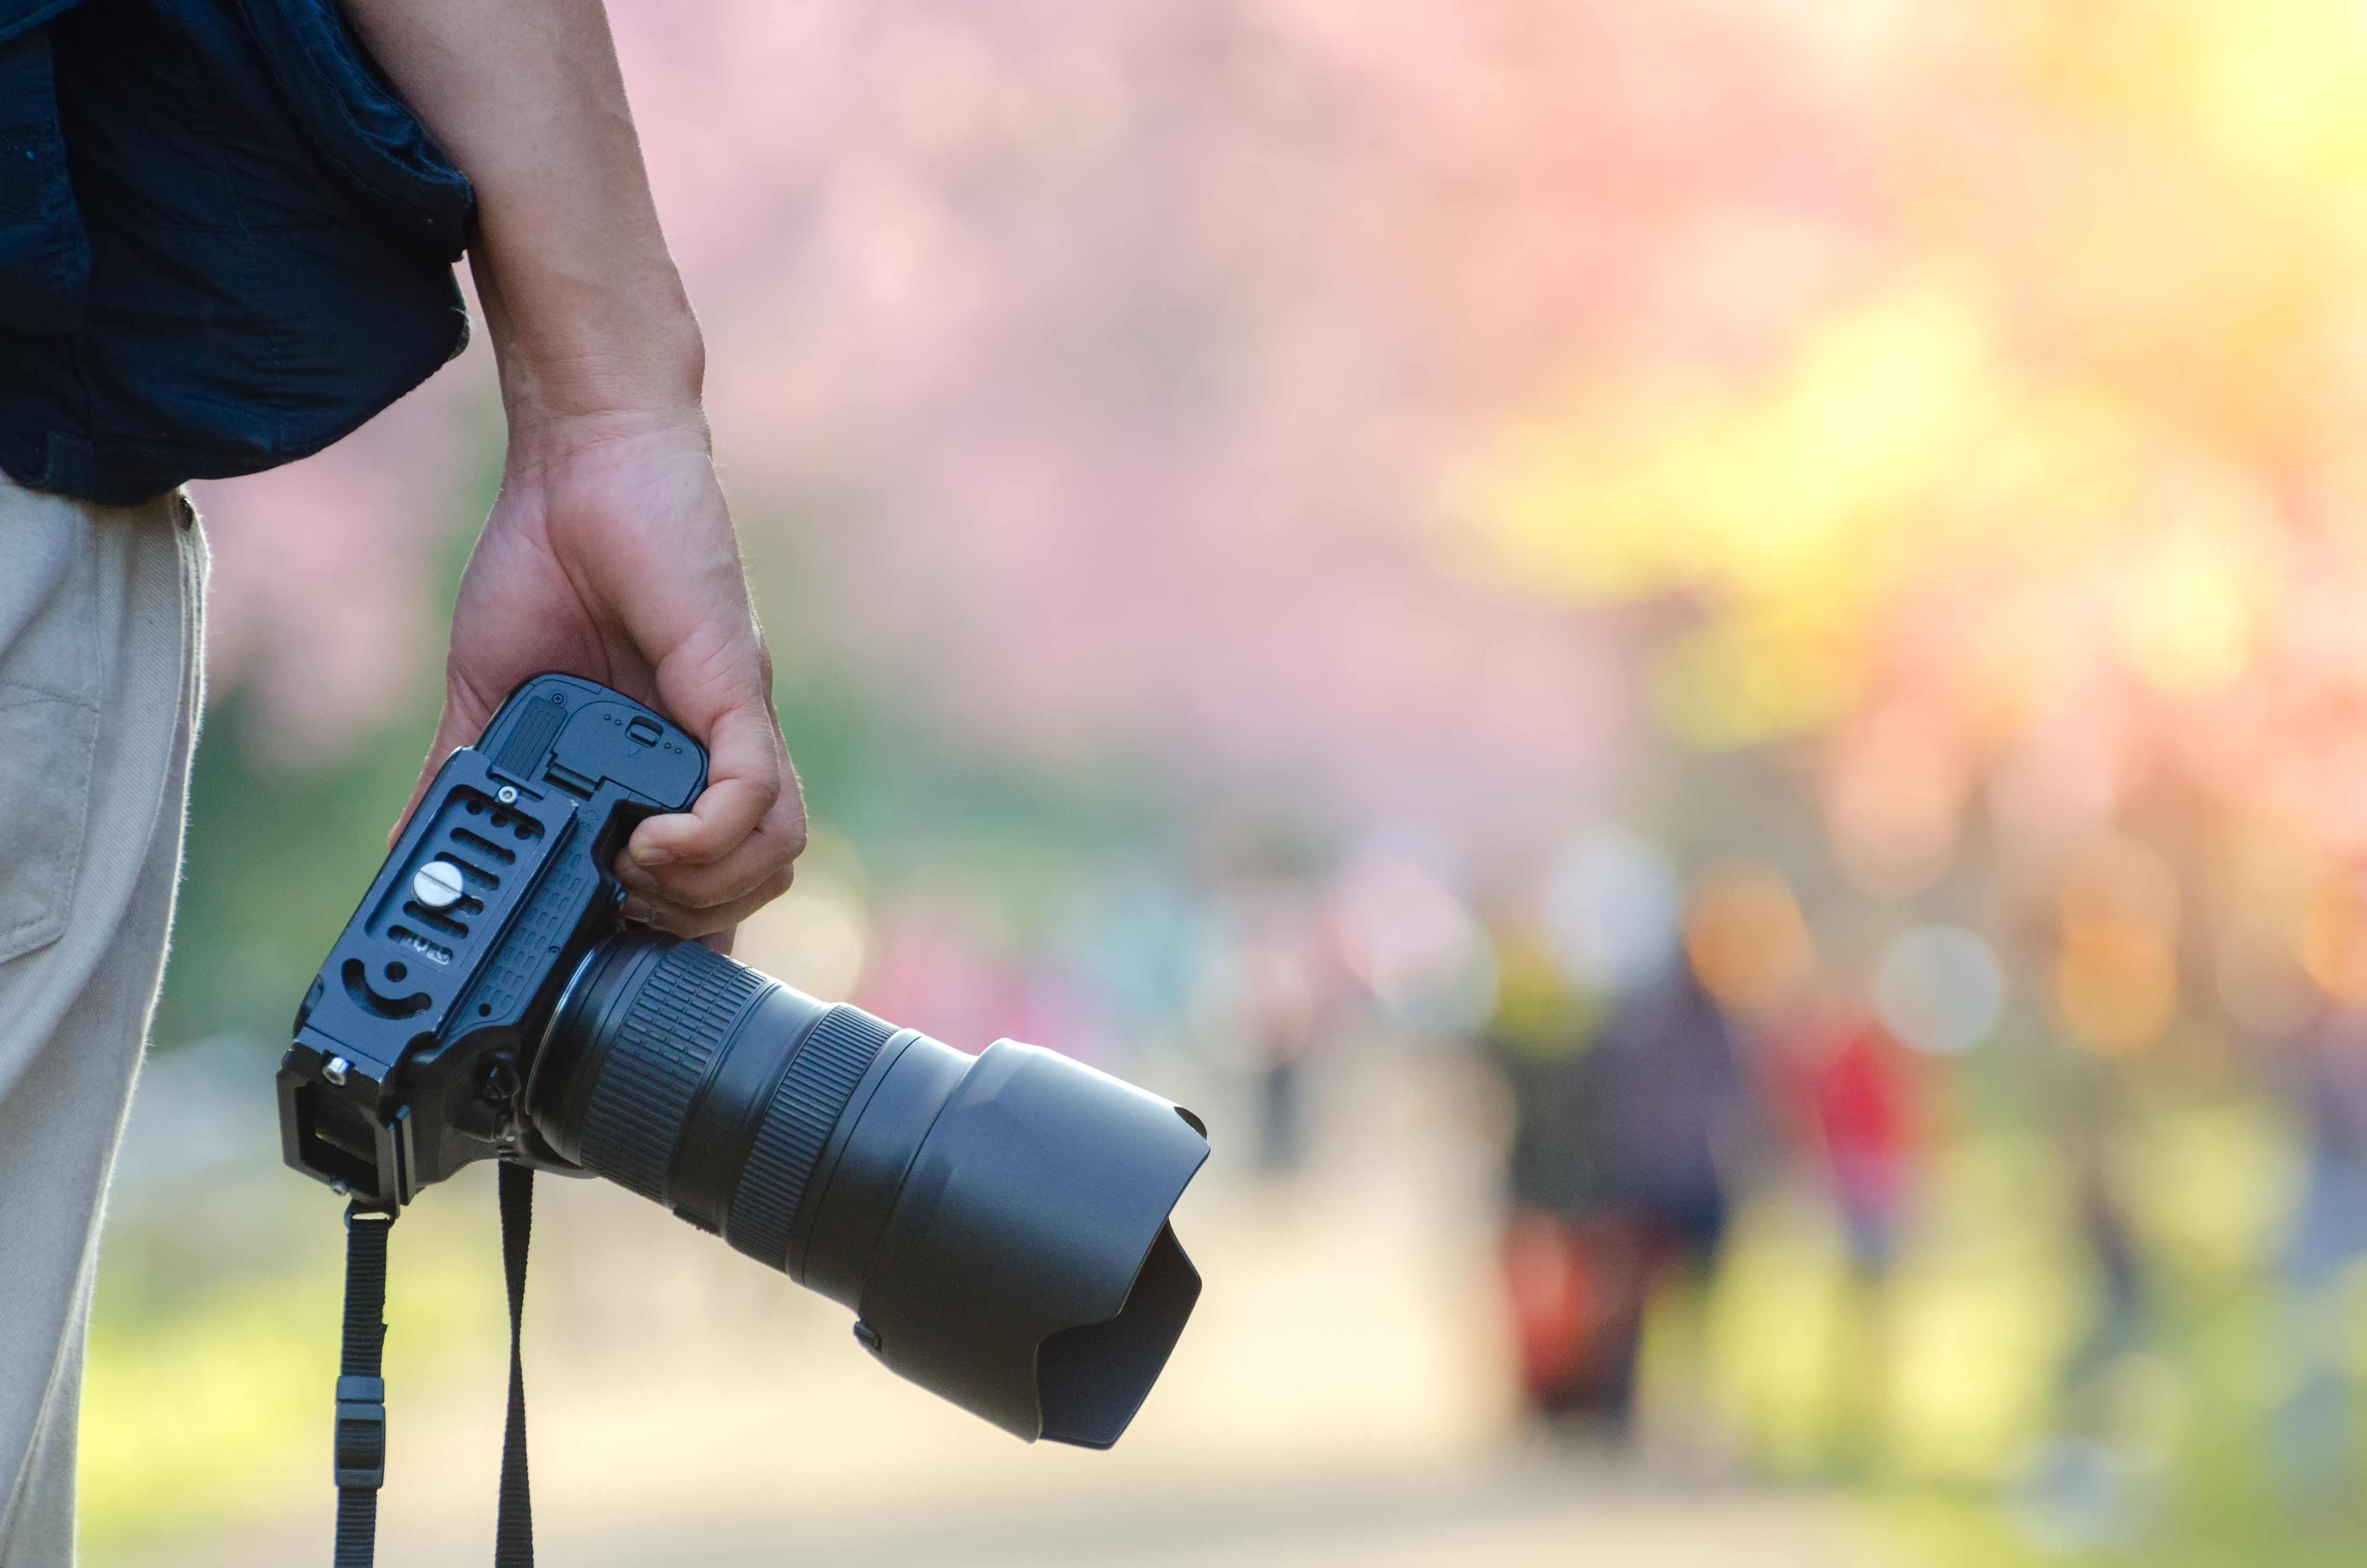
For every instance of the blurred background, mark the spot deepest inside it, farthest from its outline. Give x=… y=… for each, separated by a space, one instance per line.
x=1693 y=664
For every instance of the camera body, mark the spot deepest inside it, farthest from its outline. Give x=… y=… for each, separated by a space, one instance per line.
x=415 y=1042
x=999 y=1222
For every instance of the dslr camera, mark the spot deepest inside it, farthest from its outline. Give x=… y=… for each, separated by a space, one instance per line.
x=998 y=1222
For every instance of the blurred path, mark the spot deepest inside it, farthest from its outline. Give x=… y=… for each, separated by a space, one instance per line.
x=1342 y=1397
x=1501 y=1521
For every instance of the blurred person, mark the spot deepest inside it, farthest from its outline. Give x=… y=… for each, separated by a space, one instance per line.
x=1258 y=1007
x=1271 y=989
x=1852 y=1092
x=1625 y=1151
x=2083 y=1097
x=1852 y=1101
x=2316 y=1428
x=224 y=243
x=1279 y=976
x=1679 y=1117
x=1537 y=1040
x=1280 y=1018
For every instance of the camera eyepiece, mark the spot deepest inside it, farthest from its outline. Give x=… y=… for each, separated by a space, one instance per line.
x=999 y=1222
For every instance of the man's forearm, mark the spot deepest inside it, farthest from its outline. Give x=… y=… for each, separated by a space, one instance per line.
x=610 y=551
x=587 y=313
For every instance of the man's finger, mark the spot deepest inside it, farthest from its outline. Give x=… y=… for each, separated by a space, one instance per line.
x=748 y=773
x=763 y=860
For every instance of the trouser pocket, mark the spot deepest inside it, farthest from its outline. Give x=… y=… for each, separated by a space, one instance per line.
x=54 y=665
x=46 y=746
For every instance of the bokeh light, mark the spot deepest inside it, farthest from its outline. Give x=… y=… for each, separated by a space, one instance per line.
x=1613 y=903
x=1695 y=666
x=1405 y=934
x=1747 y=941
x=2116 y=977
x=1940 y=989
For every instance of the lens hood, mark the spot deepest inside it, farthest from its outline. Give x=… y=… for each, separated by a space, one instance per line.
x=1025 y=1268
x=998 y=1222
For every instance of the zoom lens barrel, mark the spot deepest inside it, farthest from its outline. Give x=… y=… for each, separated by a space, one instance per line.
x=999 y=1222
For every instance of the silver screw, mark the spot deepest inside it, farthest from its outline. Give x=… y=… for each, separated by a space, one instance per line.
x=438 y=884
x=336 y=1070
x=507 y=795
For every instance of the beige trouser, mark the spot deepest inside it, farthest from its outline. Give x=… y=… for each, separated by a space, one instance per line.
x=100 y=678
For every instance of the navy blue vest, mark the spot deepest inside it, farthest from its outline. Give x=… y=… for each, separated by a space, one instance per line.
x=224 y=242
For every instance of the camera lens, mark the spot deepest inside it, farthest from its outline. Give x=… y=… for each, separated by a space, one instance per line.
x=998 y=1222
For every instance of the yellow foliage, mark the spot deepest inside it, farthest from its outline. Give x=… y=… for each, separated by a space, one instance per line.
x=2212 y=1187
x=2089 y=366
x=1894 y=442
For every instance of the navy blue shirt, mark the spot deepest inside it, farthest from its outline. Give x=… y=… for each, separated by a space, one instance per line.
x=224 y=242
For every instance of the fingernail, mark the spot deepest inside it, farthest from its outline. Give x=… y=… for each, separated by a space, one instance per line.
x=635 y=877
x=640 y=910
x=651 y=855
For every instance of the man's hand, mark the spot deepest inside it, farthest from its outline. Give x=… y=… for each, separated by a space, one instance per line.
x=610 y=552
x=612 y=556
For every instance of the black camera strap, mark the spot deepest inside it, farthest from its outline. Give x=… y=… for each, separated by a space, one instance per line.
x=360 y=1442
x=360 y=1452
x=514 y=1525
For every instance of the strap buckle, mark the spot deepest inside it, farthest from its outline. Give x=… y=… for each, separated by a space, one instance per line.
x=361 y=1433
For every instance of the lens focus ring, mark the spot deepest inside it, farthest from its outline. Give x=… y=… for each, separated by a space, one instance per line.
x=796 y=1124
x=663 y=1052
